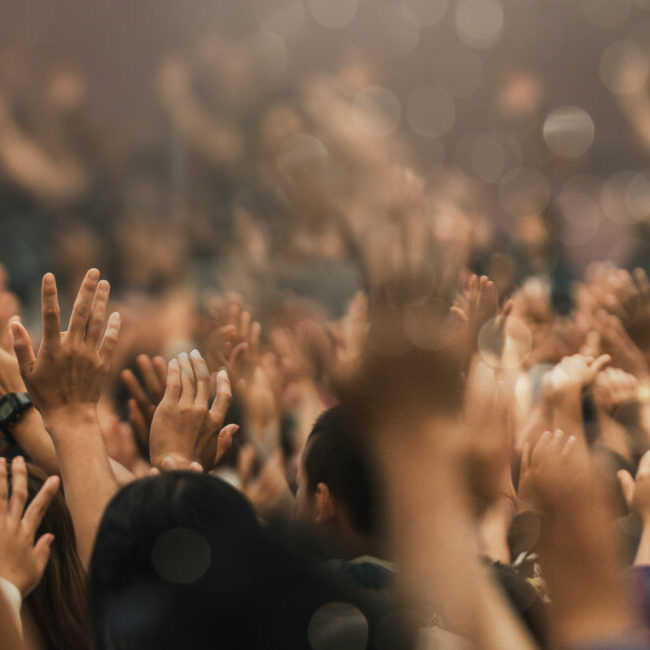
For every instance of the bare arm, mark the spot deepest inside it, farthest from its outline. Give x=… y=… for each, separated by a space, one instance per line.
x=65 y=381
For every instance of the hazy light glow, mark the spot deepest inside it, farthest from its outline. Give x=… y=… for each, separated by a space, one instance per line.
x=376 y=111
x=430 y=111
x=333 y=13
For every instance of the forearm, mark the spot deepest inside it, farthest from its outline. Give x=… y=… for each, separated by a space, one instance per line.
x=31 y=435
x=588 y=600
x=88 y=480
x=10 y=633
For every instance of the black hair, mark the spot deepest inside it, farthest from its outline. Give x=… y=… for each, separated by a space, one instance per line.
x=180 y=561
x=337 y=457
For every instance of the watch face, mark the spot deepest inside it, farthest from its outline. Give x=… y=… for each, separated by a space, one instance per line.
x=6 y=409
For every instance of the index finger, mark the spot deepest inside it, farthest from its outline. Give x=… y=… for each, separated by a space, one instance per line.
x=81 y=308
x=50 y=311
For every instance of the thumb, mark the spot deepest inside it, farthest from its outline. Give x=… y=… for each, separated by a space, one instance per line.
x=42 y=552
x=224 y=441
x=627 y=485
x=23 y=348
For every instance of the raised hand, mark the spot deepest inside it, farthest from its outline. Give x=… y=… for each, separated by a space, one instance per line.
x=22 y=562
x=69 y=370
x=145 y=399
x=544 y=469
x=477 y=302
x=65 y=380
x=186 y=430
x=571 y=375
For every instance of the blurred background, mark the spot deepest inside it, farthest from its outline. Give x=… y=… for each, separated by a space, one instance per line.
x=269 y=146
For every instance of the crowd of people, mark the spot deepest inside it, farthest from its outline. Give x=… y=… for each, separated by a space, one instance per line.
x=287 y=389
x=415 y=474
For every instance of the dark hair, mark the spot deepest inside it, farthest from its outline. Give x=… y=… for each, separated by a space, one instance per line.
x=336 y=456
x=180 y=561
x=59 y=603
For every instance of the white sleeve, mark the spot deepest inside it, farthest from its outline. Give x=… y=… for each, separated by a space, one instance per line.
x=15 y=600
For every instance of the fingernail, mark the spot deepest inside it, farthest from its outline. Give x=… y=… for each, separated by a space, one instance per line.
x=174 y=363
x=116 y=316
x=15 y=330
x=222 y=373
x=15 y=319
x=93 y=274
x=183 y=356
x=50 y=540
x=48 y=278
x=195 y=353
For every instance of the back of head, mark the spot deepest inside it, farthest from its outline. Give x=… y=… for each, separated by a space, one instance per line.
x=181 y=562
x=335 y=455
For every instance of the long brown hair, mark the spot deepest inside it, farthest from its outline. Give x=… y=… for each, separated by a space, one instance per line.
x=59 y=602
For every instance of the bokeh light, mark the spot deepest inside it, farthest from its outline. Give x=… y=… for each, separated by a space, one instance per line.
x=479 y=23
x=338 y=626
x=569 y=131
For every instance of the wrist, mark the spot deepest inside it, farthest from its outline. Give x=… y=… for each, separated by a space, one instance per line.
x=69 y=415
x=177 y=459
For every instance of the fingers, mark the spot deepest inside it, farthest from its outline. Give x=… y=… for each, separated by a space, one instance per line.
x=50 y=311
x=202 y=375
x=23 y=348
x=627 y=486
x=109 y=342
x=135 y=389
x=173 y=390
x=18 y=488
x=237 y=357
x=160 y=366
x=223 y=399
x=188 y=381
x=138 y=423
x=152 y=376
x=82 y=305
x=40 y=503
x=224 y=441
x=98 y=313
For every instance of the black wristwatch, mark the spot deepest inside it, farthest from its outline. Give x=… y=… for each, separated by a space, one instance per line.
x=12 y=407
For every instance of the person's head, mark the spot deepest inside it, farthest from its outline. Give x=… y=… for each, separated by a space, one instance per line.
x=337 y=485
x=58 y=604
x=181 y=561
